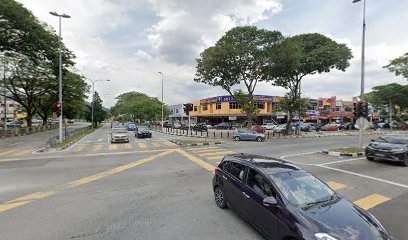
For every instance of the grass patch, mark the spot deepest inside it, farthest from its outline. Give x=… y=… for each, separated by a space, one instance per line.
x=182 y=141
x=73 y=138
x=349 y=150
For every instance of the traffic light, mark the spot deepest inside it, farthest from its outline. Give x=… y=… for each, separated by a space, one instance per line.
x=364 y=109
x=360 y=109
x=58 y=109
x=355 y=109
x=188 y=107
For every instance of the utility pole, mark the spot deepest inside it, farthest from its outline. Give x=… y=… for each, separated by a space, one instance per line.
x=93 y=93
x=61 y=137
x=162 y=111
x=360 y=135
x=4 y=92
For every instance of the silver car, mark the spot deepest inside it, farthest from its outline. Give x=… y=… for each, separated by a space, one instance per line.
x=119 y=135
x=248 y=134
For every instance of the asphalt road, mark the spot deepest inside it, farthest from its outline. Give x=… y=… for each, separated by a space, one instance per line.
x=153 y=189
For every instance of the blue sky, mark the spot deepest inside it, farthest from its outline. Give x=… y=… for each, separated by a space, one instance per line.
x=129 y=41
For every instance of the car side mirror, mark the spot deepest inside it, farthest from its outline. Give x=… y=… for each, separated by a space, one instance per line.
x=372 y=140
x=270 y=201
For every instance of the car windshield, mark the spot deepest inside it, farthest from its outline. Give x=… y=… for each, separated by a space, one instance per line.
x=393 y=139
x=132 y=125
x=301 y=188
x=142 y=128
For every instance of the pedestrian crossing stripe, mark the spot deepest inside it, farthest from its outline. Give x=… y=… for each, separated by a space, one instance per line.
x=113 y=147
x=335 y=185
x=142 y=145
x=200 y=148
x=155 y=144
x=169 y=144
x=128 y=146
x=215 y=157
x=98 y=147
x=210 y=150
x=80 y=148
x=215 y=153
x=371 y=201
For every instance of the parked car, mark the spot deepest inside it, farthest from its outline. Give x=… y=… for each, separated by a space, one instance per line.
x=200 y=128
x=389 y=147
x=119 y=135
x=281 y=128
x=329 y=127
x=167 y=125
x=269 y=126
x=350 y=126
x=223 y=125
x=176 y=125
x=247 y=134
x=307 y=127
x=70 y=121
x=131 y=127
x=14 y=124
x=384 y=125
x=283 y=201
x=258 y=129
x=143 y=132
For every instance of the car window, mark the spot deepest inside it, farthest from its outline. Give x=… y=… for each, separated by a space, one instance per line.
x=235 y=169
x=258 y=183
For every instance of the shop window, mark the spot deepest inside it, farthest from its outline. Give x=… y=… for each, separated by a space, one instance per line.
x=259 y=105
x=275 y=106
x=234 y=105
x=177 y=111
x=195 y=108
x=204 y=107
x=218 y=106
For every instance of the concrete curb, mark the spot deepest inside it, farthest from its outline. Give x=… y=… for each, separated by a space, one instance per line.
x=338 y=154
x=194 y=144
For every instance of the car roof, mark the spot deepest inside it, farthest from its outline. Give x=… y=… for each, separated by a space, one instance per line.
x=122 y=129
x=267 y=165
x=396 y=135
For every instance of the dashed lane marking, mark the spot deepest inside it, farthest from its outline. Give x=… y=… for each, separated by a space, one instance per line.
x=335 y=185
x=128 y=146
x=80 y=148
x=215 y=157
x=25 y=152
x=169 y=144
x=198 y=148
x=142 y=145
x=155 y=144
x=371 y=201
x=210 y=150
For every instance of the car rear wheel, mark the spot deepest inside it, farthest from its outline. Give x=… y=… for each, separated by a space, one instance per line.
x=237 y=138
x=405 y=163
x=259 y=139
x=370 y=158
x=219 y=197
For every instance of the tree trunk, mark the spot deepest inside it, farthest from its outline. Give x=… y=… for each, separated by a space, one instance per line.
x=29 y=119
x=251 y=110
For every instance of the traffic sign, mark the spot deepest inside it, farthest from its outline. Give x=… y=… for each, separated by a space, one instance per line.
x=362 y=122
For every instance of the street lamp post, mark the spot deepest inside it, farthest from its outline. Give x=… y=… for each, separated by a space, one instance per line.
x=360 y=135
x=5 y=92
x=162 y=113
x=60 y=71
x=93 y=92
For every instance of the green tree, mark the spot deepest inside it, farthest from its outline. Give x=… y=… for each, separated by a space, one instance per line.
x=302 y=55
x=99 y=113
x=132 y=106
x=399 y=66
x=239 y=57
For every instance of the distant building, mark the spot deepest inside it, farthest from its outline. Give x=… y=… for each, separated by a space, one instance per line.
x=12 y=110
x=177 y=114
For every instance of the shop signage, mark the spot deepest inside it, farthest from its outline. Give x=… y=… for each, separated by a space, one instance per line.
x=232 y=118
x=312 y=113
x=228 y=98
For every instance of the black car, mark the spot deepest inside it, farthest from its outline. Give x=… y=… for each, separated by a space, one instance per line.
x=389 y=147
x=143 y=132
x=283 y=201
x=200 y=128
x=223 y=125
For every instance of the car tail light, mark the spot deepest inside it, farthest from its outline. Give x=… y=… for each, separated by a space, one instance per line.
x=216 y=170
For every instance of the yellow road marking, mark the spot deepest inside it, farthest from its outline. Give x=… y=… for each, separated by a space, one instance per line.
x=209 y=150
x=128 y=146
x=7 y=152
x=113 y=147
x=215 y=153
x=215 y=157
x=155 y=144
x=169 y=144
x=335 y=185
x=142 y=145
x=218 y=163
x=25 y=152
x=200 y=148
x=98 y=147
x=371 y=201
x=196 y=160
x=39 y=195
x=81 y=155
x=80 y=148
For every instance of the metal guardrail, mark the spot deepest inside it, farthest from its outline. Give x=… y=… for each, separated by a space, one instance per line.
x=67 y=133
x=12 y=132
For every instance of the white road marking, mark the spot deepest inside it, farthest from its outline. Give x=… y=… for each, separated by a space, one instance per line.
x=100 y=139
x=341 y=161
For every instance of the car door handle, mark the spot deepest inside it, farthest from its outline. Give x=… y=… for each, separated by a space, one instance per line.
x=224 y=177
x=246 y=195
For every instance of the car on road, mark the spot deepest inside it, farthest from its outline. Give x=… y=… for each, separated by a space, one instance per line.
x=175 y=125
x=284 y=202
x=307 y=127
x=247 y=134
x=14 y=124
x=258 y=129
x=223 y=125
x=329 y=127
x=119 y=135
x=143 y=132
x=131 y=127
x=269 y=126
x=389 y=147
x=281 y=128
x=384 y=125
